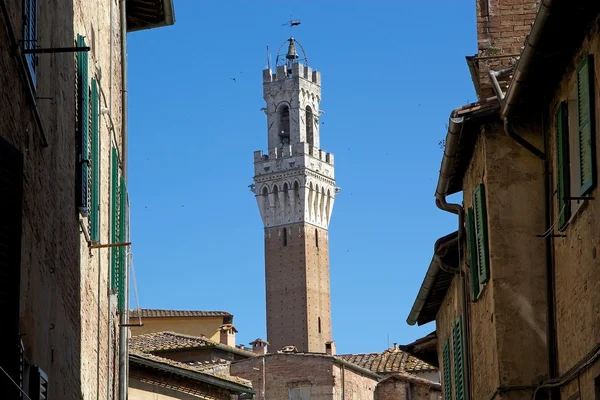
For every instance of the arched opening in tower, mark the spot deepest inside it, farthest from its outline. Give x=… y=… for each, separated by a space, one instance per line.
x=310 y=138
x=284 y=125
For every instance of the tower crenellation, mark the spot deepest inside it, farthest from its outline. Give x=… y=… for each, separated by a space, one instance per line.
x=294 y=185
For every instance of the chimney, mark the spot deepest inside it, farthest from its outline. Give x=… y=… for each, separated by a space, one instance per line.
x=330 y=348
x=228 y=332
x=259 y=346
x=502 y=26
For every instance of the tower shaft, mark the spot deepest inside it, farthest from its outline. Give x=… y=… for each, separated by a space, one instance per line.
x=294 y=185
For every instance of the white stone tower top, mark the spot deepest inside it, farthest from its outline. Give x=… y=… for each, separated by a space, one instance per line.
x=295 y=181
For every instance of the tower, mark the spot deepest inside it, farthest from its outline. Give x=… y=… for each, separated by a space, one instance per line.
x=295 y=189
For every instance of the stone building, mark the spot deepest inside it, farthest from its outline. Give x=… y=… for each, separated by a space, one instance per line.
x=215 y=325
x=169 y=365
x=63 y=196
x=514 y=291
x=295 y=191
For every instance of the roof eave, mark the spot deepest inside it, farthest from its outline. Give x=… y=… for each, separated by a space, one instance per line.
x=197 y=376
x=167 y=19
x=428 y=282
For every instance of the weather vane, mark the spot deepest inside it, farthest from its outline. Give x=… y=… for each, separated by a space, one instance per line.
x=292 y=23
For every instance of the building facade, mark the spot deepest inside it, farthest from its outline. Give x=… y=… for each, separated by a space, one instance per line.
x=295 y=190
x=63 y=225
x=512 y=292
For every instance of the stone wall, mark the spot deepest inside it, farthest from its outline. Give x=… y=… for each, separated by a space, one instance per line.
x=64 y=301
x=402 y=388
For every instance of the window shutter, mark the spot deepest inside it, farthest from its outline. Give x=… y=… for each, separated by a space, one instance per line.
x=95 y=164
x=30 y=11
x=562 y=165
x=84 y=117
x=122 y=249
x=11 y=206
x=114 y=227
x=447 y=373
x=481 y=234
x=459 y=362
x=472 y=243
x=585 y=113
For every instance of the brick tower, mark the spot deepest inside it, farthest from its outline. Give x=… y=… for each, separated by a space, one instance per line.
x=294 y=188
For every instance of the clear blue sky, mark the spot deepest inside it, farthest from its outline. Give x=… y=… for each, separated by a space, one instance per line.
x=391 y=73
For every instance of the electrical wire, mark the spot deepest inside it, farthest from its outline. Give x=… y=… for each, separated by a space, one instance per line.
x=137 y=300
x=15 y=383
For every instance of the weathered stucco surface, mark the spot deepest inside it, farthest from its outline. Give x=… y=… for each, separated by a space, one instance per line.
x=576 y=259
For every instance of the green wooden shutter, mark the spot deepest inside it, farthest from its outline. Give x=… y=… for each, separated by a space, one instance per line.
x=122 y=239
x=481 y=234
x=585 y=114
x=459 y=362
x=447 y=372
x=114 y=227
x=95 y=165
x=30 y=36
x=83 y=127
x=472 y=243
x=562 y=165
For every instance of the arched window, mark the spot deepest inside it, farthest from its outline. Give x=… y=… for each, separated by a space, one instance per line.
x=265 y=193
x=284 y=125
x=309 y=126
x=284 y=237
x=276 y=196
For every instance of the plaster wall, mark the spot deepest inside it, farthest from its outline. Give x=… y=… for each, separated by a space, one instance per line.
x=207 y=326
x=576 y=260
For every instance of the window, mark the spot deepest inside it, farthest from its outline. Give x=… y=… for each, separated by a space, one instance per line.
x=30 y=36
x=319 y=322
x=118 y=254
x=481 y=234
x=562 y=165
x=459 y=363
x=472 y=243
x=285 y=237
x=309 y=126
x=38 y=386
x=11 y=204
x=83 y=127
x=300 y=393
x=284 y=125
x=575 y=145
x=447 y=373
x=317 y=238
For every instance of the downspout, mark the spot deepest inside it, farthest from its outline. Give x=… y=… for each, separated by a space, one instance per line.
x=124 y=317
x=507 y=102
x=550 y=269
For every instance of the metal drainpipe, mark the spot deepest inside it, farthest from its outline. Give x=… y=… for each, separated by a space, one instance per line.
x=550 y=269
x=124 y=317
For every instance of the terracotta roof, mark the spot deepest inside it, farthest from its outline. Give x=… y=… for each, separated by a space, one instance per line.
x=157 y=342
x=151 y=313
x=390 y=361
x=202 y=370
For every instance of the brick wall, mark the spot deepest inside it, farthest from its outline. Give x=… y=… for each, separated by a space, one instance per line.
x=576 y=259
x=325 y=378
x=501 y=29
x=297 y=282
x=64 y=308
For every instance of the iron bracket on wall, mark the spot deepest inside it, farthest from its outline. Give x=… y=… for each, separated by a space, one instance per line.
x=56 y=50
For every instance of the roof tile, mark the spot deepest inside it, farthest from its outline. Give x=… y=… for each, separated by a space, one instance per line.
x=153 y=313
x=390 y=361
